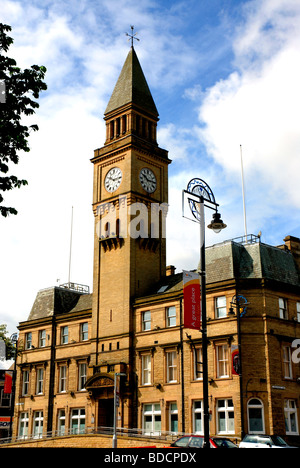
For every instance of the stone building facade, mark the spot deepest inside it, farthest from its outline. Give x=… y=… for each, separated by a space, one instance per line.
x=73 y=343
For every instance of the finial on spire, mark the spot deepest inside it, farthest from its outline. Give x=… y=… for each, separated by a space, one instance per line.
x=132 y=36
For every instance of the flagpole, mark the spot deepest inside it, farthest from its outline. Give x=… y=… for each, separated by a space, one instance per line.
x=243 y=189
x=70 y=255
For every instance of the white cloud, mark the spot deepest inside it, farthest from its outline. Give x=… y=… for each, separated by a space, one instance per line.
x=176 y=140
x=258 y=105
x=269 y=25
x=58 y=170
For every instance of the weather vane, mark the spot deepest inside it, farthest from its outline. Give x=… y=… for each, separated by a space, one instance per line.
x=132 y=36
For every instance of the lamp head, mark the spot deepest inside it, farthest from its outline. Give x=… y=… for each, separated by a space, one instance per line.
x=216 y=223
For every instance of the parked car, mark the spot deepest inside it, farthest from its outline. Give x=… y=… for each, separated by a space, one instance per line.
x=197 y=441
x=263 y=441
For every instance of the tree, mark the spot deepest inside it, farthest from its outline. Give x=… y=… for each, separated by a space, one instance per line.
x=16 y=89
x=9 y=345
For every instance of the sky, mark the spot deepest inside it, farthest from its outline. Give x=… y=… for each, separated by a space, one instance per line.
x=224 y=75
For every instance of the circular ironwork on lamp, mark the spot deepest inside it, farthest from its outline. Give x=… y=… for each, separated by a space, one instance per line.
x=202 y=189
x=241 y=302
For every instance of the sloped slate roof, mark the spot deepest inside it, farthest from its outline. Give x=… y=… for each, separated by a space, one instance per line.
x=132 y=87
x=231 y=259
x=57 y=300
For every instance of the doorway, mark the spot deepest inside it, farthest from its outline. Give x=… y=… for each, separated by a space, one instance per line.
x=106 y=412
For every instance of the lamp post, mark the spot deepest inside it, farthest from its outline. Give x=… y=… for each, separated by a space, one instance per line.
x=118 y=375
x=200 y=195
x=14 y=339
x=240 y=304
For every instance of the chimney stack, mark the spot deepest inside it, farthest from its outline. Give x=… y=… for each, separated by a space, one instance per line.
x=170 y=270
x=293 y=244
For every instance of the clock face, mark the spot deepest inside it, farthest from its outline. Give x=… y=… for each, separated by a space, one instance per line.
x=148 y=180
x=113 y=179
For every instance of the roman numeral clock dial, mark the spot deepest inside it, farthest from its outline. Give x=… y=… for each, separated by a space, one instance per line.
x=148 y=180
x=113 y=179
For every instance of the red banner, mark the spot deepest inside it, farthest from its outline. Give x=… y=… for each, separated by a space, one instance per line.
x=8 y=382
x=235 y=359
x=192 y=298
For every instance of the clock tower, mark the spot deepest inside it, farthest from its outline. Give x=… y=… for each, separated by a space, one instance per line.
x=130 y=197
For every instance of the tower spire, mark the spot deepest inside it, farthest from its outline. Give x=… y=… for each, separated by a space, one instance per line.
x=131 y=87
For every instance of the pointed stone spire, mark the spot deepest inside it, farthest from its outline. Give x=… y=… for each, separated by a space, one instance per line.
x=132 y=88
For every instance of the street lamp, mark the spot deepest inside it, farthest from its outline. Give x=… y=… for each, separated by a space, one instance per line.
x=240 y=303
x=216 y=223
x=118 y=375
x=14 y=340
x=200 y=195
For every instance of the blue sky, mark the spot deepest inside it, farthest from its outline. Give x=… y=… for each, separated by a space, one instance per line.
x=223 y=73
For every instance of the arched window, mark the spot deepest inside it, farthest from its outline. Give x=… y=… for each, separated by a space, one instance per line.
x=256 y=422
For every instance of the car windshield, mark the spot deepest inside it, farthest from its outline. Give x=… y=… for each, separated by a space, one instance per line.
x=182 y=442
x=196 y=442
x=278 y=441
x=224 y=443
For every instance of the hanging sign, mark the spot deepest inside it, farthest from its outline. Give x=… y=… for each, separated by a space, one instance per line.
x=235 y=359
x=8 y=382
x=192 y=298
x=117 y=389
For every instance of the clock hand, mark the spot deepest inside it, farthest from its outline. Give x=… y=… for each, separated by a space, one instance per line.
x=149 y=180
